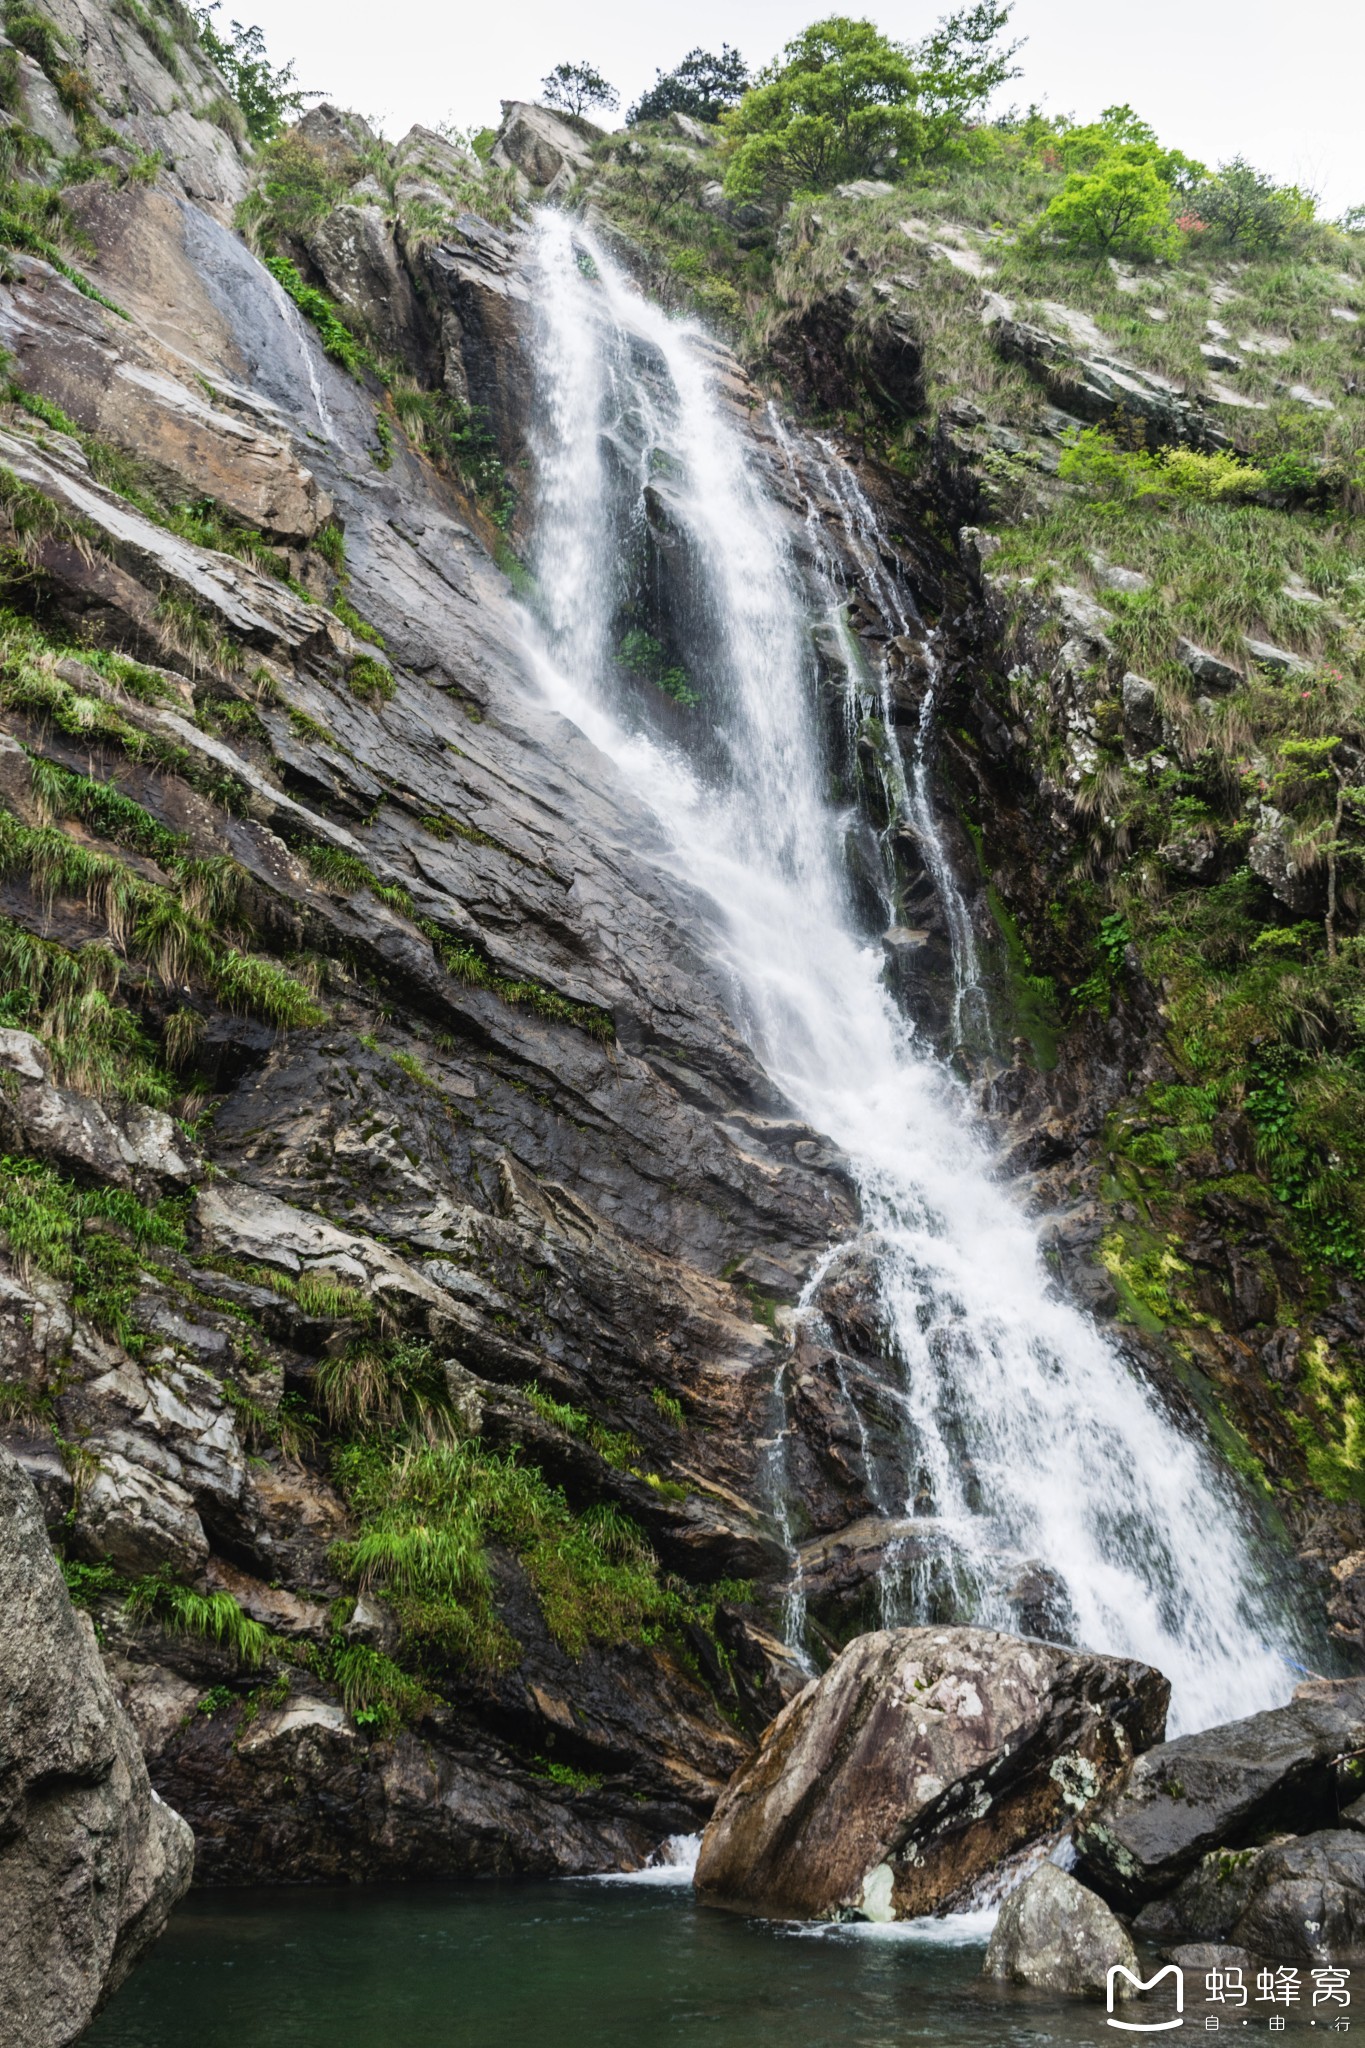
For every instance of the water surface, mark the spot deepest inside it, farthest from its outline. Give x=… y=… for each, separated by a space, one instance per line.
x=576 y=1964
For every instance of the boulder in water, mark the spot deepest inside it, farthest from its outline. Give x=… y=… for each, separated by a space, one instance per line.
x=923 y=1758
x=91 y=1861
x=1218 y=1789
x=1054 y=1935
x=1307 y=1901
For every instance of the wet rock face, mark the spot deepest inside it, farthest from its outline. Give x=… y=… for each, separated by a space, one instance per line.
x=922 y=1759
x=91 y=1860
x=555 y=1210
x=1054 y=1935
x=1218 y=1789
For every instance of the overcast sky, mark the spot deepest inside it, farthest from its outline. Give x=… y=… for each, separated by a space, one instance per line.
x=1283 y=85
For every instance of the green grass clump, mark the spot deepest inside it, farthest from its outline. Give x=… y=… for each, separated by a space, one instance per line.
x=88 y=1584
x=212 y=1617
x=567 y=1775
x=262 y=987
x=369 y=679
x=669 y=1406
x=97 y=1239
x=354 y=623
x=71 y=1001
x=376 y=1692
x=617 y=1446
x=62 y=793
x=175 y=928
x=384 y=1385
x=428 y=1514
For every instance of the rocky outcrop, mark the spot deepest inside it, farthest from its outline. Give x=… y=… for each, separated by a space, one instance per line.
x=1089 y=383
x=509 y=1124
x=922 y=1759
x=548 y=150
x=1054 y=1935
x=1217 y=1790
x=91 y=1860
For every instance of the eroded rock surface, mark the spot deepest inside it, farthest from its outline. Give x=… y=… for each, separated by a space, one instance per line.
x=1054 y=1935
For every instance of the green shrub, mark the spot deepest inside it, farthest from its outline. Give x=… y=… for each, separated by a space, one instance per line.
x=1099 y=464
x=1122 y=208
x=1247 y=211
x=265 y=92
x=335 y=335
x=644 y=657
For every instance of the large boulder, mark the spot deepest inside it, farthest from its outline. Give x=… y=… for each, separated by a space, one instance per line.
x=1307 y=1901
x=1220 y=1788
x=922 y=1758
x=1054 y=1935
x=91 y=1861
x=550 y=150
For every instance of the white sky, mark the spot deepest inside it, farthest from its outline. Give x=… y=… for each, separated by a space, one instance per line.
x=1283 y=85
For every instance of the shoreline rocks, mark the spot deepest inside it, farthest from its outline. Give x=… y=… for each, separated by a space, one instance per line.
x=1220 y=1789
x=1055 y=1935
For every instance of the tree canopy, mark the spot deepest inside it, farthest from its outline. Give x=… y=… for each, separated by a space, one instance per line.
x=576 y=87
x=703 y=85
x=265 y=92
x=845 y=101
x=1121 y=208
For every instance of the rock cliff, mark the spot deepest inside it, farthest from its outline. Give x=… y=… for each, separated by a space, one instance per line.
x=366 y=1067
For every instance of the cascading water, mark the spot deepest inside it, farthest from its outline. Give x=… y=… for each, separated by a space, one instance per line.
x=1028 y=1435
x=911 y=798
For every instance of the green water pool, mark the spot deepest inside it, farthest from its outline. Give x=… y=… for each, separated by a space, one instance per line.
x=569 y=1965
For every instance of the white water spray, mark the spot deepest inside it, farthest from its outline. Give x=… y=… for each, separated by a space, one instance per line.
x=1068 y=1458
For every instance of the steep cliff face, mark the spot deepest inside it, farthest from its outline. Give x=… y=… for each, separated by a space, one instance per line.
x=294 y=850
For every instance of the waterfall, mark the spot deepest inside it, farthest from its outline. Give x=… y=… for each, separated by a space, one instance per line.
x=1028 y=1435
